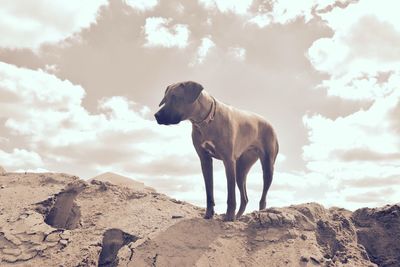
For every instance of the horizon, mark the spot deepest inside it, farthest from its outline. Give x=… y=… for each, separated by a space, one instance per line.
x=79 y=84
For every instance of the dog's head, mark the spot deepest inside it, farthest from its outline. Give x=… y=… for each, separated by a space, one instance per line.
x=178 y=101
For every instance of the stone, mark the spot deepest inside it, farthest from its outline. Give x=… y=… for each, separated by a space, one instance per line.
x=66 y=234
x=12 y=238
x=12 y=251
x=9 y=258
x=53 y=237
x=27 y=255
x=304 y=259
x=259 y=238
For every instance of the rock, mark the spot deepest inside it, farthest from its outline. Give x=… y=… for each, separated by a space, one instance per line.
x=30 y=254
x=315 y=260
x=304 y=259
x=12 y=251
x=378 y=230
x=12 y=238
x=66 y=234
x=41 y=247
x=113 y=240
x=176 y=201
x=300 y=235
x=9 y=258
x=53 y=237
x=259 y=238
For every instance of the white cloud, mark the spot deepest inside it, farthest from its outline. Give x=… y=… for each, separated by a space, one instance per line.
x=25 y=24
x=20 y=158
x=362 y=59
x=366 y=42
x=203 y=49
x=142 y=5
x=368 y=129
x=286 y=11
x=237 y=7
x=54 y=124
x=159 y=32
x=261 y=20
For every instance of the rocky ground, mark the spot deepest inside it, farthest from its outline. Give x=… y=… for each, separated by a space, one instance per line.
x=54 y=219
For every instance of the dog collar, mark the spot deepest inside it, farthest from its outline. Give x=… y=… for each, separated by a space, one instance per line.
x=209 y=117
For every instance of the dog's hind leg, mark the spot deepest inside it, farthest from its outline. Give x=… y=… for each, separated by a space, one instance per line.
x=268 y=171
x=243 y=165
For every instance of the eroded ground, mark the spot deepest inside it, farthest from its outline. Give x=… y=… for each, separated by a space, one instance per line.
x=59 y=220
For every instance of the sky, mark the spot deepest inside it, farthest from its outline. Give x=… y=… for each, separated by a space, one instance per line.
x=80 y=82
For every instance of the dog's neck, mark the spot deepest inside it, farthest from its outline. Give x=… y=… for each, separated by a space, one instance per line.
x=204 y=111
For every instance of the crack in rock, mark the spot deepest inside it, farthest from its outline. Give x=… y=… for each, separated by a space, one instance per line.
x=113 y=241
x=61 y=211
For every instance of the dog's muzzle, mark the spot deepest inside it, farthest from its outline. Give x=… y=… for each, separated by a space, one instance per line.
x=162 y=118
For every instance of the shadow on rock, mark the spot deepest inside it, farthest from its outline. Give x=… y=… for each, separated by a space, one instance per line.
x=113 y=241
x=61 y=211
x=378 y=230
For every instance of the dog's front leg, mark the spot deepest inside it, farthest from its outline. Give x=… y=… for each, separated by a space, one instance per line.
x=207 y=169
x=230 y=169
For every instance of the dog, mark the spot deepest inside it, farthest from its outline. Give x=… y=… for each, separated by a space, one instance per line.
x=238 y=138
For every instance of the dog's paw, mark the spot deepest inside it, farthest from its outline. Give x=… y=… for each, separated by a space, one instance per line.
x=209 y=214
x=229 y=216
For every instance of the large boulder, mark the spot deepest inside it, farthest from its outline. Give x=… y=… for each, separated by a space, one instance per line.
x=378 y=230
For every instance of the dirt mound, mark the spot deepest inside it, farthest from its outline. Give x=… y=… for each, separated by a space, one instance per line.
x=104 y=224
x=302 y=235
x=120 y=180
x=378 y=230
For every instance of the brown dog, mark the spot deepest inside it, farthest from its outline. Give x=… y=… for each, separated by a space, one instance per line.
x=236 y=137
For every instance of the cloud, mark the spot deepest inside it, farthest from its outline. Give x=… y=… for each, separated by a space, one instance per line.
x=20 y=158
x=364 y=130
x=357 y=198
x=371 y=182
x=365 y=155
x=265 y=13
x=142 y=5
x=366 y=42
x=204 y=48
x=362 y=61
x=224 y=6
x=54 y=130
x=30 y=24
x=159 y=34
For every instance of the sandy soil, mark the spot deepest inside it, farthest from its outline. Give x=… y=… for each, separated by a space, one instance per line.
x=54 y=219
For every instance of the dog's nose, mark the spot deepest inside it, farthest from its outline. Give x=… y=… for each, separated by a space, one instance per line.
x=157 y=116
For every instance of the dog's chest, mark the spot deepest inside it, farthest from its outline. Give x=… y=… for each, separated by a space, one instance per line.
x=209 y=147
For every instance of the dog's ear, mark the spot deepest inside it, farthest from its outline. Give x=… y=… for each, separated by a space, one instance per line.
x=163 y=100
x=192 y=91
